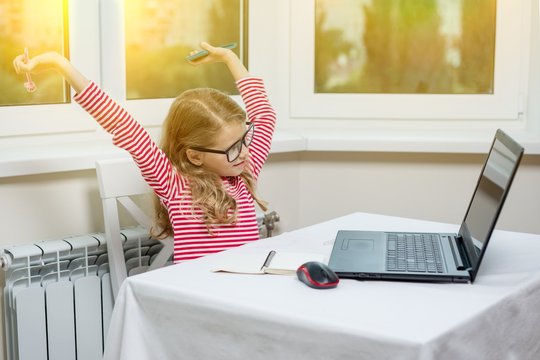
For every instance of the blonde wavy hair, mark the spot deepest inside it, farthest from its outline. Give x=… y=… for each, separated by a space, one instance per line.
x=194 y=120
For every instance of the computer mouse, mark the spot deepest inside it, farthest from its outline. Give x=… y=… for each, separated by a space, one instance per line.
x=317 y=275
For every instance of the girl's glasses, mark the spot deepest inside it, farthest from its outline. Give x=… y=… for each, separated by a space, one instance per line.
x=233 y=152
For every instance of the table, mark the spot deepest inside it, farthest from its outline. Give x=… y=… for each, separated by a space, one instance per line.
x=185 y=311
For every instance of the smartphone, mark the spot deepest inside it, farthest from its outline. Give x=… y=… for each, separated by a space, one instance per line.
x=203 y=53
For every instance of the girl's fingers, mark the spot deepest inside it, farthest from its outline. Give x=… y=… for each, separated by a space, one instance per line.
x=206 y=46
x=17 y=62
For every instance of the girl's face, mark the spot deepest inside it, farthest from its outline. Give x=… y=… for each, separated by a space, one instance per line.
x=219 y=163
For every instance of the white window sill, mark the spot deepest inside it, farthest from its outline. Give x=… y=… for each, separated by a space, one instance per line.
x=41 y=159
x=82 y=155
x=414 y=141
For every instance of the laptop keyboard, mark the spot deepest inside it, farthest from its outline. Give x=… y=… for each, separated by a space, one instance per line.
x=414 y=253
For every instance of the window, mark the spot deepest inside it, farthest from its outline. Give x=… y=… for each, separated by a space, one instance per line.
x=160 y=33
x=38 y=26
x=44 y=26
x=133 y=49
x=435 y=59
x=404 y=47
x=143 y=60
x=298 y=47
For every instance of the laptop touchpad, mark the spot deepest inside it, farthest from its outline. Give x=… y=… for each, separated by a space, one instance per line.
x=357 y=244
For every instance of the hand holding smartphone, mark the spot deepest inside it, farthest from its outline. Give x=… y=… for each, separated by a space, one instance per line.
x=204 y=53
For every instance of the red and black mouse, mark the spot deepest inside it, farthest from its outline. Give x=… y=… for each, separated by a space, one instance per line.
x=317 y=275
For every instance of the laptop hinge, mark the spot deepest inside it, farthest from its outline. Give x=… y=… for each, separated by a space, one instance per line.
x=460 y=254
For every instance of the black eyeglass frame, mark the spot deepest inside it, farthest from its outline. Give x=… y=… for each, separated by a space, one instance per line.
x=242 y=141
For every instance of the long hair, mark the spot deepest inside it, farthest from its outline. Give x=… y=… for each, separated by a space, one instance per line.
x=195 y=119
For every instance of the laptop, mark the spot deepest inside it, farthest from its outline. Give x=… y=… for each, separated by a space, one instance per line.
x=436 y=257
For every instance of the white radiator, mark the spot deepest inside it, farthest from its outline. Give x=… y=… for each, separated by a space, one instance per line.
x=57 y=296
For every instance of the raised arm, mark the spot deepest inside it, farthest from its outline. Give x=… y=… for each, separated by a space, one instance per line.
x=52 y=61
x=227 y=56
x=126 y=132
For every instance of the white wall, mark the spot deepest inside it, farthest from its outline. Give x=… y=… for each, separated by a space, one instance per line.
x=434 y=187
x=305 y=188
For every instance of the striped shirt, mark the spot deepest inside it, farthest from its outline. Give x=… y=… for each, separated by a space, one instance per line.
x=191 y=236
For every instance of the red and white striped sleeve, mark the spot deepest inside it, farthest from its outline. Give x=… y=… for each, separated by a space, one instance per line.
x=260 y=112
x=130 y=136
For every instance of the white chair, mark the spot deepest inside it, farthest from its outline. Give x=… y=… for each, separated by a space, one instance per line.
x=119 y=181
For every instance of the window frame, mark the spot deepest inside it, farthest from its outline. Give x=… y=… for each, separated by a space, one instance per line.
x=98 y=57
x=148 y=112
x=84 y=52
x=506 y=104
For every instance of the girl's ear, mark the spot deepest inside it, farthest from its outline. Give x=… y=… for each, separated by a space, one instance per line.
x=195 y=157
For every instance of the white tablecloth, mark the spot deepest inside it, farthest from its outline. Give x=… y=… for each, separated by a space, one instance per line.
x=186 y=311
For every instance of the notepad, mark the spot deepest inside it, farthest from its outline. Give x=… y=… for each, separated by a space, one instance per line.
x=269 y=262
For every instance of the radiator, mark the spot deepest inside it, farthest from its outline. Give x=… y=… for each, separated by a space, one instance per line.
x=57 y=295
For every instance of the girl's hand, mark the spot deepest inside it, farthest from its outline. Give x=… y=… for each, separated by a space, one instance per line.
x=36 y=64
x=215 y=54
x=51 y=61
x=227 y=56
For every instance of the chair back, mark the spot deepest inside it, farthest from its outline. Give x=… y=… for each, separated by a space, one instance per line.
x=119 y=181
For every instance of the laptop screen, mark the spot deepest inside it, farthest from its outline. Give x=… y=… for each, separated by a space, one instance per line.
x=490 y=193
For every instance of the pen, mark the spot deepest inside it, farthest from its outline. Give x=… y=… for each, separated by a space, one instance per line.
x=29 y=84
x=203 y=53
x=268 y=259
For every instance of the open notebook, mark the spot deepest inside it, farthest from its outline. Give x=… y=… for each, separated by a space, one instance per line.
x=266 y=262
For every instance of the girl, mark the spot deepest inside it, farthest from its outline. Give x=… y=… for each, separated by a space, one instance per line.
x=205 y=171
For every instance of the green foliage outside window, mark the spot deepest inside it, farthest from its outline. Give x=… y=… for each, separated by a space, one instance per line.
x=39 y=26
x=159 y=34
x=405 y=46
